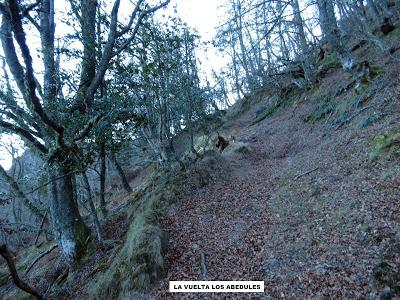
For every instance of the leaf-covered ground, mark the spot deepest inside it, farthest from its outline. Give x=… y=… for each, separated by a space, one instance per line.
x=306 y=211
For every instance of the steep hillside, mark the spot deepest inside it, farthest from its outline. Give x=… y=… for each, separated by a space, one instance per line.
x=310 y=207
x=305 y=197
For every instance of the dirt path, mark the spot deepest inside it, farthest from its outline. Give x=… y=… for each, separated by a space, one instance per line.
x=307 y=213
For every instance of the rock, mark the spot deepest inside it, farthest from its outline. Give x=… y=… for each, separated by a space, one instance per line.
x=195 y=247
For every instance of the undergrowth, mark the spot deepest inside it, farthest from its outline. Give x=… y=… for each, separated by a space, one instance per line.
x=289 y=96
x=387 y=143
x=140 y=262
x=324 y=108
x=331 y=61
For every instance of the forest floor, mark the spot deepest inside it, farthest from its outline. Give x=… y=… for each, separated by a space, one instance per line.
x=306 y=210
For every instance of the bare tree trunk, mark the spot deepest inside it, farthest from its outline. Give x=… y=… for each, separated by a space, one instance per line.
x=283 y=46
x=121 y=173
x=331 y=31
x=102 y=155
x=70 y=231
x=365 y=28
x=239 y=25
x=238 y=88
x=163 y=132
x=302 y=42
x=92 y=207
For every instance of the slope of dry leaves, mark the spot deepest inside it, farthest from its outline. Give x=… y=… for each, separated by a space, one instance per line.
x=307 y=211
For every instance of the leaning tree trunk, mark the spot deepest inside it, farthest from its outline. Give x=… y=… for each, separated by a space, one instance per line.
x=121 y=173
x=102 y=154
x=302 y=43
x=69 y=229
x=96 y=221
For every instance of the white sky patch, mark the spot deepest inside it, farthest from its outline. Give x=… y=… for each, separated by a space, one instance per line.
x=201 y=15
x=7 y=142
x=204 y=16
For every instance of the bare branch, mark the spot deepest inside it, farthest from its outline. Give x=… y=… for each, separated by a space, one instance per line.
x=108 y=52
x=138 y=23
x=86 y=130
x=20 y=37
x=30 y=7
x=20 y=121
x=39 y=257
x=128 y=26
x=14 y=273
x=24 y=134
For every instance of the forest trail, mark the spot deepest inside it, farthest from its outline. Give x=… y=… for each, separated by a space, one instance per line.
x=305 y=211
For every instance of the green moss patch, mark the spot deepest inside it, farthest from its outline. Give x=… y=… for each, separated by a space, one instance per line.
x=376 y=71
x=324 y=108
x=140 y=262
x=289 y=95
x=265 y=113
x=389 y=143
x=331 y=61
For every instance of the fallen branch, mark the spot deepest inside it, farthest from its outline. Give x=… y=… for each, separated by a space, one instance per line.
x=50 y=181
x=40 y=227
x=62 y=276
x=306 y=173
x=352 y=117
x=39 y=257
x=24 y=227
x=58 y=279
x=13 y=270
x=203 y=264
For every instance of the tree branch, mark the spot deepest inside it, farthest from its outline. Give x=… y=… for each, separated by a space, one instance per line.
x=20 y=37
x=137 y=26
x=19 y=121
x=21 y=116
x=39 y=257
x=11 y=55
x=13 y=270
x=108 y=52
x=86 y=130
x=18 y=193
x=128 y=26
x=24 y=134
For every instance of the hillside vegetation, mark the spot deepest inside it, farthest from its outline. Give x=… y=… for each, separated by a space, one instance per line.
x=145 y=175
